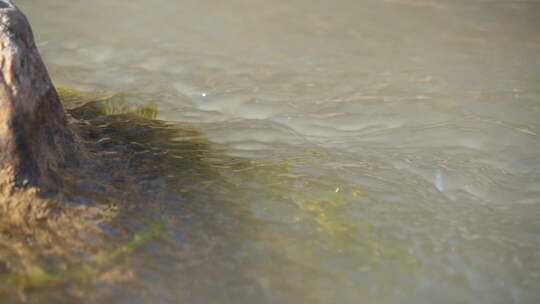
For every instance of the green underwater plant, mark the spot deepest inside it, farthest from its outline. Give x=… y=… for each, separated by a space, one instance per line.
x=38 y=277
x=30 y=275
x=86 y=104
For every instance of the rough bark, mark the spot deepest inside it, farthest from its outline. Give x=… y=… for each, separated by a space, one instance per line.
x=35 y=140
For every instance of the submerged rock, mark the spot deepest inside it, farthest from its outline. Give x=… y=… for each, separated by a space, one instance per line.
x=35 y=139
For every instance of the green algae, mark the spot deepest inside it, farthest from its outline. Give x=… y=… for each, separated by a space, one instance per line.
x=73 y=98
x=124 y=120
x=311 y=221
x=360 y=237
x=323 y=203
x=154 y=230
x=115 y=106
x=37 y=277
x=84 y=104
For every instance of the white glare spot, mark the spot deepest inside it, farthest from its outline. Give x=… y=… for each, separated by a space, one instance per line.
x=439 y=180
x=203 y=94
x=337 y=189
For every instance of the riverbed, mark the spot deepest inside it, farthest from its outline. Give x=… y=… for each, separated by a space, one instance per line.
x=295 y=152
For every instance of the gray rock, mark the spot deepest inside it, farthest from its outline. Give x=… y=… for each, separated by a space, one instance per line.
x=35 y=139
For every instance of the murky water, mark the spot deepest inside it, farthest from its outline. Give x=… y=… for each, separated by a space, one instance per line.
x=303 y=152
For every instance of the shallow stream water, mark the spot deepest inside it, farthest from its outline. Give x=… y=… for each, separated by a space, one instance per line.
x=374 y=151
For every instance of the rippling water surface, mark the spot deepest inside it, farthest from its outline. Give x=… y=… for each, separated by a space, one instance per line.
x=291 y=152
